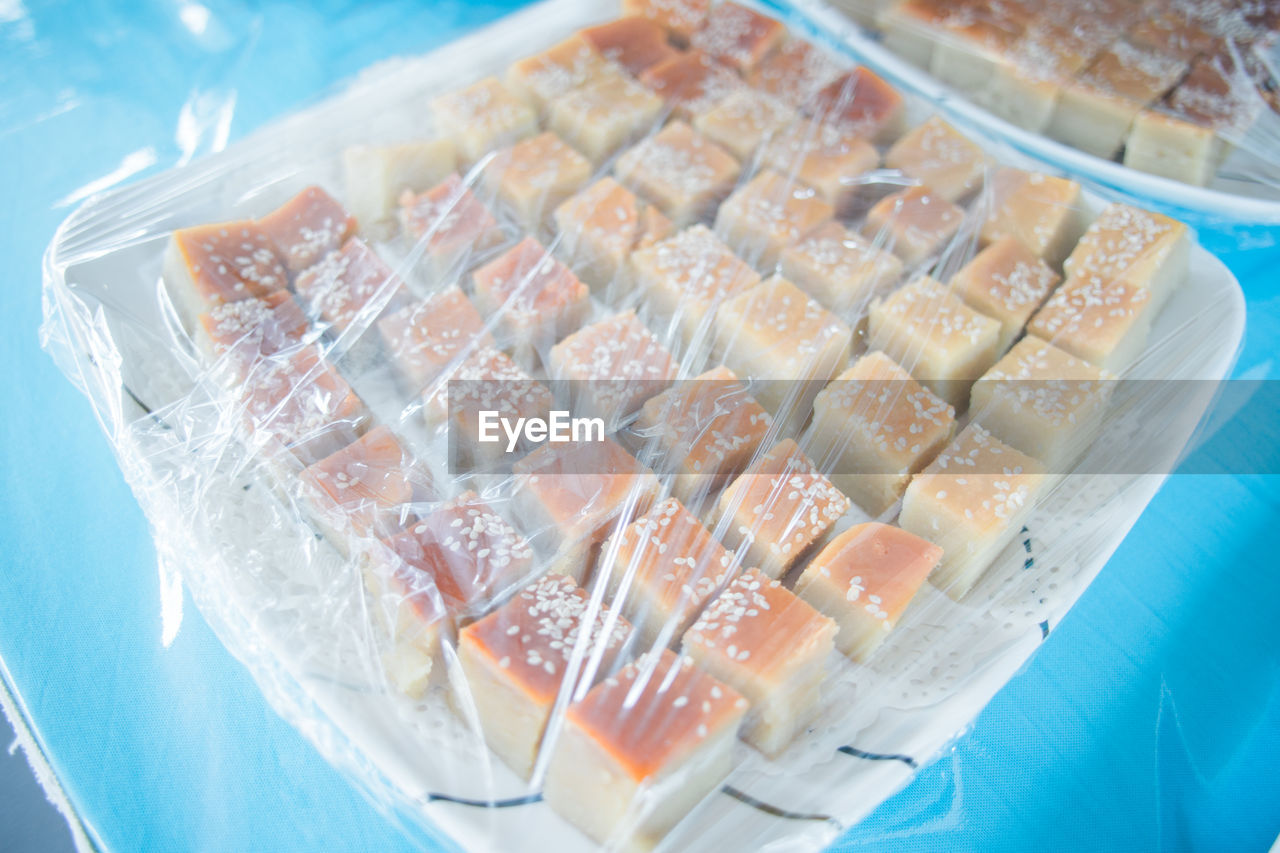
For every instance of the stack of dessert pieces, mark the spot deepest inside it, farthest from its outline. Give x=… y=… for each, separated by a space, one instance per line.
x=1165 y=86
x=779 y=301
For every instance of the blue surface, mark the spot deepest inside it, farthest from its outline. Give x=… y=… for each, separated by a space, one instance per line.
x=1151 y=716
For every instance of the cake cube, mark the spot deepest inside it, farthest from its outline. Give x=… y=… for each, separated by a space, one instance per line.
x=642 y=749
x=250 y=329
x=691 y=83
x=680 y=18
x=535 y=298
x=1007 y=282
x=771 y=647
x=1145 y=249
x=297 y=410
x=601 y=117
x=1042 y=401
x=307 y=227
x=861 y=104
x=796 y=72
x=352 y=286
x=777 y=332
x=375 y=176
x=409 y=609
x=547 y=640
x=1163 y=142
x=573 y=494
x=1172 y=32
x=946 y=343
x=839 y=268
x=768 y=214
x=971 y=46
x=743 y=121
x=1104 y=322
x=535 y=175
x=482 y=117
x=971 y=502
x=915 y=224
x=706 y=431
x=864 y=579
x=1095 y=111
x=680 y=170
x=209 y=265
x=661 y=569
x=1043 y=212
x=424 y=339
x=561 y=68
x=685 y=278
x=778 y=509
x=823 y=157
x=601 y=226
x=634 y=43
x=364 y=489
x=873 y=427
x=940 y=157
x=449 y=226
x=613 y=365
x=910 y=28
x=737 y=36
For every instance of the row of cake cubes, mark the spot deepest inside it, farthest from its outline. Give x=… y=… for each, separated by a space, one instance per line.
x=1166 y=86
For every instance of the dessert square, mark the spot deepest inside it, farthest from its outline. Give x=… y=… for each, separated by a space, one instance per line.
x=864 y=579
x=613 y=365
x=209 y=265
x=691 y=83
x=351 y=286
x=1102 y=322
x=862 y=104
x=823 y=157
x=574 y=494
x=971 y=46
x=424 y=339
x=547 y=640
x=661 y=569
x=737 y=36
x=777 y=332
x=1164 y=142
x=659 y=720
x=603 y=116
x=873 y=427
x=307 y=227
x=971 y=502
x=1043 y=212
x=563 y=67
x=1042 y=401
x=410 y=611
x=771 y=647
x=449 y=226
x=910 y=27
x=915 y=224
x=482 y=117
x=375 y=176
x=795 y=72
x=365 y=489
x=535 y=299
x=704 y=430
x=767 y=214
x=680 y=18
x=1135 y=246
x=1007 y=282
x=946 y=343
x=601 y=226
x=680 y=170
x=634 y=43
x=250 y=329
x=743 y=121
x=778 y=509
x=685 y=278
x=839 y=268
x=939 y=157
x=535 y=175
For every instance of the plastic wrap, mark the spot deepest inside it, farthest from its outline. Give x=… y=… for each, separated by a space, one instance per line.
x=312 y=466
x=1173 y=102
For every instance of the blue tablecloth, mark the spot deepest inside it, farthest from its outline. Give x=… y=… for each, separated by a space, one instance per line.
x=1150 y=717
